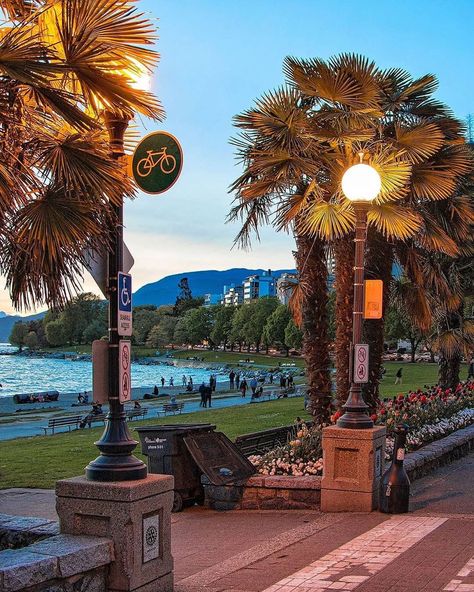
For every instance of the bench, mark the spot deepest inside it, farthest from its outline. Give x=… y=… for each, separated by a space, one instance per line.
x=136 y=413
x=173 y=408
x=56 y=422
x=260 y=442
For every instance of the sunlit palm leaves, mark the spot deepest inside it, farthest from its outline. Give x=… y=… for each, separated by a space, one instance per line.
x=62 y=63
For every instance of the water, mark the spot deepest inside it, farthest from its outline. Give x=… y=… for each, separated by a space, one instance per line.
x=20 y=374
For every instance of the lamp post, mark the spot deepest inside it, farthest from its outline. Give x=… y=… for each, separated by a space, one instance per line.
x=360 y=184
x=116 y=461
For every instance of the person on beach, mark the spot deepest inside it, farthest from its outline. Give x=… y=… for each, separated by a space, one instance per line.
x=162 y=382
x=243 y=387
x=398 y=376
x=202 y=392
x=171 y=381
x=253 y=386
x=87 y=420
x=231 y=380
x=190 y=383
x=208 y=396
x=184 y=381
x=155 y=391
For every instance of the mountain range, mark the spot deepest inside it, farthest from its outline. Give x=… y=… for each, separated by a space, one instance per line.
x=210 y=281
x=7 y=322
x=164 y=291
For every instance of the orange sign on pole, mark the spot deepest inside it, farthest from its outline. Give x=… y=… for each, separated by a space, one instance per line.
x=373 y=299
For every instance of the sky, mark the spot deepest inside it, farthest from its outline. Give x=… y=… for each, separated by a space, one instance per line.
x=217 y=57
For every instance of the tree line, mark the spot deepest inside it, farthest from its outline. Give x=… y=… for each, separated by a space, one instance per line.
x=260 y=325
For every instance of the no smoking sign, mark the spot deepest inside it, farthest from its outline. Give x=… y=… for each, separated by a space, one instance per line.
x=361 y=363
x=125 y=360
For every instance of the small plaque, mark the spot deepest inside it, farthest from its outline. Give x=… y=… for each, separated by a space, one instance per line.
x=151 y=537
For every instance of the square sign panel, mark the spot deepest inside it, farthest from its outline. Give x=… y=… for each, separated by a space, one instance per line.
x=373 y=299
x=124 y=294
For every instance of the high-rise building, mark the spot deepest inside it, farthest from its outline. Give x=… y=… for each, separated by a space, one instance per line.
x=284 y=286
x=259 y=286
x=233 y=295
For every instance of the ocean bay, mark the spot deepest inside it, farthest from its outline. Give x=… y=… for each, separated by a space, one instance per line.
x=27 y=374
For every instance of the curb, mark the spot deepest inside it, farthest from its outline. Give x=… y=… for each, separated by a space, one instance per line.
x=440 y=452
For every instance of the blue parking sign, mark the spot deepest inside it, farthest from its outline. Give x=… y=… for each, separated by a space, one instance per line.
x=124 y=294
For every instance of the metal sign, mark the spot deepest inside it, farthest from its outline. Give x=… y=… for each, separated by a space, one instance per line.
x=96 y=264
x=373 y=299
x=157 y=162
x=124 y=295
x=151 y=537
x=361 y=363
x=125 y=362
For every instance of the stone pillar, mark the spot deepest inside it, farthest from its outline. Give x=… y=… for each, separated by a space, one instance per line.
x=136 y=515
x=353 y=464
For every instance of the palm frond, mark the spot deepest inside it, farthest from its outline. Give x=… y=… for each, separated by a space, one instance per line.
x=393 y=221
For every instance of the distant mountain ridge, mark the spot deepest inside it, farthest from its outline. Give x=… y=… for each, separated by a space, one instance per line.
x=7 y=322
x=211 y=281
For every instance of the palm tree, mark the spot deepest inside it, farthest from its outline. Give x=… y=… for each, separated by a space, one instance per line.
x=63 y=65
x=340 y=108
x=419 y=146
x=278 y=161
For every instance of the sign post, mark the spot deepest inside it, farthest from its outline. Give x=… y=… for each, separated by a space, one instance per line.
x=124 y=294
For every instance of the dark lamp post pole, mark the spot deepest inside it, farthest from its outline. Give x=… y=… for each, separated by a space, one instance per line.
x=116 y=461
x=355 y=408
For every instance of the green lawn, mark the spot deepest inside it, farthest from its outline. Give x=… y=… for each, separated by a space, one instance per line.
x=40 y=461
x=414 y=376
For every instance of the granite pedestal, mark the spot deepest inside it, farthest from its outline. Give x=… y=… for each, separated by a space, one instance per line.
x=136 y=515
x=353 y=463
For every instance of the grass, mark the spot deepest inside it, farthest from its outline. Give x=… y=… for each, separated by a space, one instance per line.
x=414 y=376
x=42 y=460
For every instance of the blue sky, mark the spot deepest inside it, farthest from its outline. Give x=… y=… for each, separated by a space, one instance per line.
x=217 y=56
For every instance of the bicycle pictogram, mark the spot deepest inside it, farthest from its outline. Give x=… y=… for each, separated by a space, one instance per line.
x=167 y=162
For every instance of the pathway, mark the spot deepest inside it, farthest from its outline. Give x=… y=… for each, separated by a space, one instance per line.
x=431 y=549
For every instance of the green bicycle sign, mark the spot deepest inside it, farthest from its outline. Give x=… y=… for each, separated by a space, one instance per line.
x=157 y=162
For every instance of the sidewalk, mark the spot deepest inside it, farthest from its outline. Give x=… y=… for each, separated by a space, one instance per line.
x=431 y=549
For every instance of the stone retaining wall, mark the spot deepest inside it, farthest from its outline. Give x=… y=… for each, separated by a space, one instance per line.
x=61 y=563
x=280 y=492
x=19 y=531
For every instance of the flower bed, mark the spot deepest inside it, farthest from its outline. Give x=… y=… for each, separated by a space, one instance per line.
x=430 y=415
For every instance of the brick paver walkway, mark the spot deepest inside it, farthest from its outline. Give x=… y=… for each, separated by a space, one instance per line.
x=431 y=549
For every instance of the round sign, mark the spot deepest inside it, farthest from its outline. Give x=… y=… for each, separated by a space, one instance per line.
x=157 y=162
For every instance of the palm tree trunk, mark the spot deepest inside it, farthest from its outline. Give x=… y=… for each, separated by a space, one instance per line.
x=449 y=362
x=379 y=262
x=313 y=278
x=344 y=286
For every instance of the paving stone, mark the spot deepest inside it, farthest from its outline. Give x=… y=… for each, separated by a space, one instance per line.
x=21 y=569
x=75 y=554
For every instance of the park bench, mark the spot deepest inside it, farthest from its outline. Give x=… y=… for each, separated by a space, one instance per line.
x=172 y=408
x=260 y=442
x=56 y=422
x=136 y=413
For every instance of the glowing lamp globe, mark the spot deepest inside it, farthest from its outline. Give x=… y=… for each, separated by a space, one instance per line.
x=361 y=183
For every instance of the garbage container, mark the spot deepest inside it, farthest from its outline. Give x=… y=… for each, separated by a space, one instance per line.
x=186 y=451
x=168 y=455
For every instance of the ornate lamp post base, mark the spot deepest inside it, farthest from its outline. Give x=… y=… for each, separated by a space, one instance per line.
x=116 y=461
x=355 y=420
